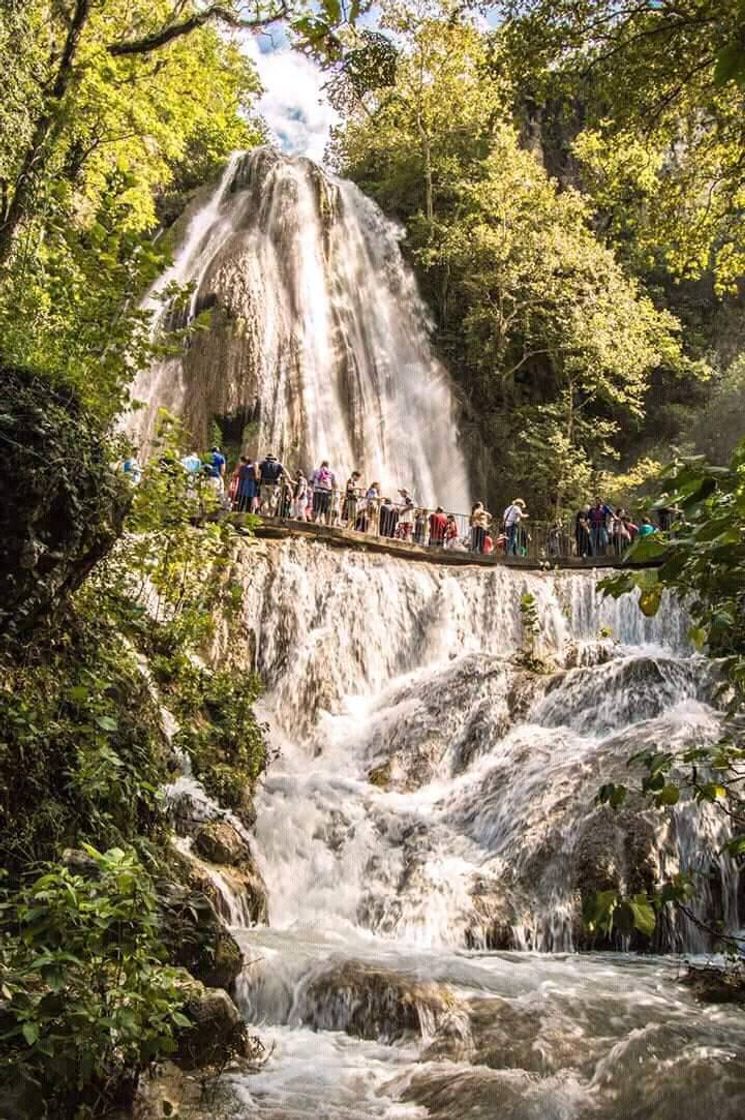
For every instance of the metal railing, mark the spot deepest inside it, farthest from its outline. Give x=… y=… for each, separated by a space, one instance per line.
x=538 y=541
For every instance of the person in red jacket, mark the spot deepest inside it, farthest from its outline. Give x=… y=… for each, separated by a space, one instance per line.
x=437 y=525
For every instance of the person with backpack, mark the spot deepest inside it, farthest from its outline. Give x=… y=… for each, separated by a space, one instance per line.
x=323 y=481
x=271 y=474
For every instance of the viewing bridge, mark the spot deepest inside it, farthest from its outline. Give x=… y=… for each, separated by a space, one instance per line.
x=536 y=555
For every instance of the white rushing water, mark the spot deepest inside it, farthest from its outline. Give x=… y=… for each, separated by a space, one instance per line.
x=429 y=832
x=431 y=823
x=318 y=340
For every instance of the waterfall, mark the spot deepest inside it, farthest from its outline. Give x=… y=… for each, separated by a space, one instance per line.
x=429 y=831
x=432 y=816
x=435 y=790
x=318 y=341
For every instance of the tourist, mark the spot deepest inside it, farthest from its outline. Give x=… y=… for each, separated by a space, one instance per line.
x=132 y=469
x=620 y=534
x=192 y=464
x=479 y=522
x=213 y=469
x=323 y=482
x=511 y=519
x=247 y=491
x=351 y=498
x=646 y=528
x=437 y=525
x=420 y=527
x=582 y=536
x=598 y=517
x=218 y=462
x=271 y=473
x=554 y=541
x=451 y=532
x=405 y=528
x=388 y=518
x=301 y=493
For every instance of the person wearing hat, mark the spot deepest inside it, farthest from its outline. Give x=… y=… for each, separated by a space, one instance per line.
x=405 y=516
x=513 y=515
x=271 y=473
x=437 y=526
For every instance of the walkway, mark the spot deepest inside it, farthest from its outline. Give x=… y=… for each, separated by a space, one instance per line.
x=281 y=528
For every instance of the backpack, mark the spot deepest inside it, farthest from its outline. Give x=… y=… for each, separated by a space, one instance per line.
x=270 y=470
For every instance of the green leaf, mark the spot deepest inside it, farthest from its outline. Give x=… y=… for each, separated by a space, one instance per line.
x=668 y=795
x=643 y=914
x=107 y=723
x=30 y=1032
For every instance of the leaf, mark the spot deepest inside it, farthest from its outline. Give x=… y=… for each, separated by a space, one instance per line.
x=668 y=795
x=30 y=1032
x=698 y=636
x=643 y=914
x=107 y=723
x=649 y=600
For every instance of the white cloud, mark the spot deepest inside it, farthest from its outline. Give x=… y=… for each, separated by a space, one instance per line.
x=293 y=104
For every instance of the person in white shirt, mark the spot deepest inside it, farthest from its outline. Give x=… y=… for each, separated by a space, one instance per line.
x=513 y=515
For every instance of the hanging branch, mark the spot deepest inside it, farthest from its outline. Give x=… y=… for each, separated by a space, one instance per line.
x=217 y=13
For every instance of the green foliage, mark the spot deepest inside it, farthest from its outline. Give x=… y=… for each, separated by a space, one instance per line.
x=81 y=750
x=702 y=563
x=219 y=730
x=88 y=1001
x=552 y=342
x=660 y=134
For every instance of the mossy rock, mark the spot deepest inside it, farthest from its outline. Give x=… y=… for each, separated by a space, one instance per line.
x=219 y=842
x=217 y=1033
x=380 y=776
x=195 y=937
x=63 y=506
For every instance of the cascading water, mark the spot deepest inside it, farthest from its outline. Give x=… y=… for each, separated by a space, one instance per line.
x=432 y=817
x=318 y=343
x=430 y=830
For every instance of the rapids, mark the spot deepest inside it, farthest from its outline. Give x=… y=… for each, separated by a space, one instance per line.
x=429 y=831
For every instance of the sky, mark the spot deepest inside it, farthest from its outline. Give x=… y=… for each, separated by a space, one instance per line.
x=293 y=105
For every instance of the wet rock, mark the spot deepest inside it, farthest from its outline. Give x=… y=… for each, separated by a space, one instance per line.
x=219 y=842
x=716 y=985
x=217 y=1034
x=368 y=1001
x=477 y=1093
x=196 y=938
x=380 y=775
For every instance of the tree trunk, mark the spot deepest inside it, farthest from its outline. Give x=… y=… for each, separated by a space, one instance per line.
x=34 y=161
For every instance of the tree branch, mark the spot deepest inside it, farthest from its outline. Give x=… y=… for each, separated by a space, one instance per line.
x=218 y=13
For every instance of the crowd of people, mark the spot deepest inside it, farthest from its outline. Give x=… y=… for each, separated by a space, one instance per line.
x=265 y=486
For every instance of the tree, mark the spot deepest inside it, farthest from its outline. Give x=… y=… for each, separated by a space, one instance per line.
x=655 y=94
x=702 y=564
x=552 y=342
x=111 y=104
